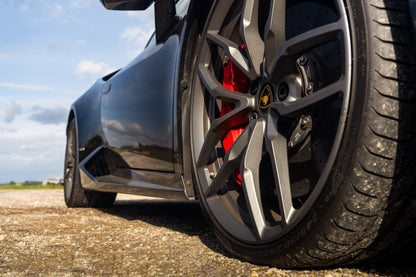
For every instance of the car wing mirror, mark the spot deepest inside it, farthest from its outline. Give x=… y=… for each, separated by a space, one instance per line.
x=126 y=5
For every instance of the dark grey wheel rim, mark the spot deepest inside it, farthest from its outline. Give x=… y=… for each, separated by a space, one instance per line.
x=70 y=163
x=269 y=56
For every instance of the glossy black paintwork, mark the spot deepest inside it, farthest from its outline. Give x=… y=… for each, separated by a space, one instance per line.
x=119 y=178
x=86 y=111
x=126 y=4
x=143 y=103
x=132 y=113
x=137 y=111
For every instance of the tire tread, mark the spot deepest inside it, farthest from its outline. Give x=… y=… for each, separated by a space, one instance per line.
x=358 y=230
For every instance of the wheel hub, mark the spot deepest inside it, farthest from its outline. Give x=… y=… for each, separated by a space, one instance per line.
x=265 y=97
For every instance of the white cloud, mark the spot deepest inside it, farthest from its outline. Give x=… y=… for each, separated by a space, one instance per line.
x=46 y=7
x=6 y=130
x=26 y=87
x=24 y=7
x=80 y=42
x=86 y=67
x=49 y=115
x=134 y=14
x=137 y=35
x=55 y=9
x=33 y=152
x=8 y=113
x=81 y=3
x=147 y=16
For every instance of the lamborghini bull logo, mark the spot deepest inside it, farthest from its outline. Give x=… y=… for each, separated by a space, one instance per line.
x=264 y=100
x=266 y=97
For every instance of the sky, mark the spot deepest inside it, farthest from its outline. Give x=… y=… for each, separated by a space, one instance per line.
x=50 y=53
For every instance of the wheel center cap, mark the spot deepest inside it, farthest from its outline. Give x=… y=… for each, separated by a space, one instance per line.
x=266 y=97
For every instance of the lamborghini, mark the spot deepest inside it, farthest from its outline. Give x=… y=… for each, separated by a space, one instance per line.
x=290 y=121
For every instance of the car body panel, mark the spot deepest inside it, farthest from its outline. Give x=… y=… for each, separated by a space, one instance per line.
x=133 y=122
x=412 y=5
x=131 y=181
x=137 y=117
x=86 y=112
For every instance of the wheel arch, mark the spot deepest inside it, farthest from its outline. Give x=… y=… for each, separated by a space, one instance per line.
x=86 y=113
x=196 y=19
x=71 y=116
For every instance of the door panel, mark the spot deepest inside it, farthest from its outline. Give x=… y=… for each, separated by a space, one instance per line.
x=137 y=108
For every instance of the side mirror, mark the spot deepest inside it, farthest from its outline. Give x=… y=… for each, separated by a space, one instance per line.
x=127 y=5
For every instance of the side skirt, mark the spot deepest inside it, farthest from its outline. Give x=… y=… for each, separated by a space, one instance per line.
x=111 y=177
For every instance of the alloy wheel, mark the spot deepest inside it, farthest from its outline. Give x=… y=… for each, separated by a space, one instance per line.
x=295 y=63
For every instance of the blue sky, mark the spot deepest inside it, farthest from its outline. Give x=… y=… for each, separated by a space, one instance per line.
x=50 y=53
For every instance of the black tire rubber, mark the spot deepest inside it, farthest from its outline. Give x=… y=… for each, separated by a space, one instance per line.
x=367 y=205
x=74 y=194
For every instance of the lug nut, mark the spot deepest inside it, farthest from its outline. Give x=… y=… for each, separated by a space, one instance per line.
x=253 y=88
x=302 y=60
x=306 y=122
x=309 y=87
x=253 y=115
x=283 y=91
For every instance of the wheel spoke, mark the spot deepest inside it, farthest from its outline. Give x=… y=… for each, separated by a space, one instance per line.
x=249 y=31
x=250 y=177
x=276 y=145
x=308 y=40
x=218 y=91
x=275 y=33
x=308 y=103
x=218 y=129
x=231 y=161
x=233 y=52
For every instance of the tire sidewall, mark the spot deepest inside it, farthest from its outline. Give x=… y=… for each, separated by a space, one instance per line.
x=76 y=194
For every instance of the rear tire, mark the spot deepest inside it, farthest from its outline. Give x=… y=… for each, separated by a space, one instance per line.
x=74 y=194
x=326 y=169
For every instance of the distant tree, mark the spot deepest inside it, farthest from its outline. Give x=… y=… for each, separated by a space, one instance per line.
x=32 y=183
x=12 y=183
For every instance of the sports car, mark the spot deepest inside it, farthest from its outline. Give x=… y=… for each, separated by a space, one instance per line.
x=290 y=121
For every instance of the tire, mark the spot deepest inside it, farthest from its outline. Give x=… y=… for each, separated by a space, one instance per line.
x=74 y=194
x=302 y=138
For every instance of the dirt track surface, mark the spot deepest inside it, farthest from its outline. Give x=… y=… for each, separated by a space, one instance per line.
x=137 y=237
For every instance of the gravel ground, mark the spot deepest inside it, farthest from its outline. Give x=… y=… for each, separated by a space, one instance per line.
x=137 y=237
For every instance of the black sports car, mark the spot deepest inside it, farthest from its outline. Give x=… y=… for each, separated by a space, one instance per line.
x=291 y=122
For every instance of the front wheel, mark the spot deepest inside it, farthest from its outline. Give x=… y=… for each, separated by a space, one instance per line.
x=74 y=194
x=301 y=125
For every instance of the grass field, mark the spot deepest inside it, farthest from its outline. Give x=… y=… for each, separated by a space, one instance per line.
x=30 y=185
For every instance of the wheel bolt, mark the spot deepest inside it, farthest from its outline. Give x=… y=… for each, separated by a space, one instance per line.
x=253 y=88
x=283 y=91
x=309 y=88
x=302 y=60
x=253 y=115
x=306 y=122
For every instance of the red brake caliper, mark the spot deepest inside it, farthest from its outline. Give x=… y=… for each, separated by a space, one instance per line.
x=235 y=80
